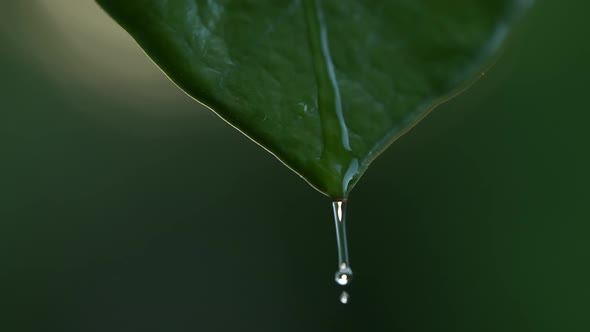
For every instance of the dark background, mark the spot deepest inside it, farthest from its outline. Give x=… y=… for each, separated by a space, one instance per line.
x=125 y=206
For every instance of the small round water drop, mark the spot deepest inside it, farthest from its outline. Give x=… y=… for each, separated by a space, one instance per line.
x=344 y=297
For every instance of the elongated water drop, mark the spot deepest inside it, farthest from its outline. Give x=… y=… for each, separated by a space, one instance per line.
x=344 y=274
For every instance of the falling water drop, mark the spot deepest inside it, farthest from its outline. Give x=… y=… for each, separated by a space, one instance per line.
x=344 y=297
x=344 y=274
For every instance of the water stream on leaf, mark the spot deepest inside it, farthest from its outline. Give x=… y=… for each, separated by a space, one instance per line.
x=334 y=127
x=336 y=150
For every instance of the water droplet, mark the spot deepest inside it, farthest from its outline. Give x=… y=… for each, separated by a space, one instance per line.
x=344 y=297
x=344 y=274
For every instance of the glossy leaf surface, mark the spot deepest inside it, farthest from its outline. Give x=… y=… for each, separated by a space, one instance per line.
x=326 y=85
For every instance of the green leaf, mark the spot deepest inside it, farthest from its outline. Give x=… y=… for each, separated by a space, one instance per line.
x=327 y=85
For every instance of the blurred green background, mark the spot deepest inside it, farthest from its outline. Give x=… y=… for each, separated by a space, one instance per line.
x=125 y=206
